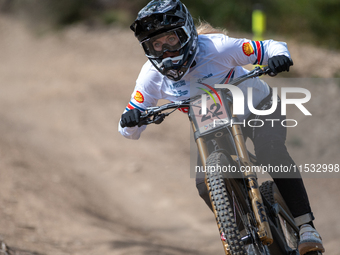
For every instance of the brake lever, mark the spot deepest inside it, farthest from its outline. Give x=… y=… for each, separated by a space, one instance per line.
x=159 y=118
x=267 y=70
x=144 y=122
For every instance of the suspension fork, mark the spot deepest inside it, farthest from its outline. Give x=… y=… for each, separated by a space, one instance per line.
x=254 y=192
x=201 y=145
x=204 y=154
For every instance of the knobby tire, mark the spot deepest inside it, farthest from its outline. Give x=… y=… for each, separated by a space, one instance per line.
x=222 y=203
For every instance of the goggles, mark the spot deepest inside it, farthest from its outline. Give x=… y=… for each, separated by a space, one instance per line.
x=172 y=40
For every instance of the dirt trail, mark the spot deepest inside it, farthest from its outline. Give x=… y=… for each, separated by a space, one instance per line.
x=70 y=184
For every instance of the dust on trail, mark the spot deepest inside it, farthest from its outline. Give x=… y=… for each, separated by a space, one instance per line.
x=71 y=184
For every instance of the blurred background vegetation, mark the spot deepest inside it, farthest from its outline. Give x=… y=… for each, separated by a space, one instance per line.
x=315 y=21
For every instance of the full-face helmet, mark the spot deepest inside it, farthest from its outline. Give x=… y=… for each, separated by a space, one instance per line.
x=166 y=25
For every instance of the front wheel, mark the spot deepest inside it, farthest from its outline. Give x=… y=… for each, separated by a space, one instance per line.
x=234 y=217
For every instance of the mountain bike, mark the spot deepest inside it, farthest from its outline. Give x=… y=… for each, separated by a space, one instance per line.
x=251 y=219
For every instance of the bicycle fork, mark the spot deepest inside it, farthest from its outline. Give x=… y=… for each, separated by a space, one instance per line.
x=264 y=231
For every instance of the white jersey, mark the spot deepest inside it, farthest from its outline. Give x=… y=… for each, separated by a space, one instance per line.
x=219 y=58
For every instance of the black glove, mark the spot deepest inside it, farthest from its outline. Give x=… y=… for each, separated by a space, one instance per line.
x=130 y=118
x=279 y=64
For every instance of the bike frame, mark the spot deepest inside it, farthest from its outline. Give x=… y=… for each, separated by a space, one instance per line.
x=242 y=158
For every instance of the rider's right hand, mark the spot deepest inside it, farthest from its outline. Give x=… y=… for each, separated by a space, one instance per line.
x=130 y=118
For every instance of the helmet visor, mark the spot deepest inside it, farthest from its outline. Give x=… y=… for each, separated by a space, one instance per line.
x=172 y=40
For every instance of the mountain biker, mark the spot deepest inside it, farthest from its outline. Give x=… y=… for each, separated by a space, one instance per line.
x=178 y=55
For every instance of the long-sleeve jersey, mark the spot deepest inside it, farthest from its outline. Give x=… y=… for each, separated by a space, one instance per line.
x=219 y=58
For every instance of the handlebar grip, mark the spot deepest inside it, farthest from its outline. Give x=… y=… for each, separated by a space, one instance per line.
x=122 y=124
x=291 y=63
x=267 y=70
x=131 y=118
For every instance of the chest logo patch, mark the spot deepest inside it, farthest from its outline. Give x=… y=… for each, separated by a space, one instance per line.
x=139 y=97
x=247 y=49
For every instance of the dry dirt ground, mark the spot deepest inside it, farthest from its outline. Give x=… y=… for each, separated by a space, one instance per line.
x=71 y=184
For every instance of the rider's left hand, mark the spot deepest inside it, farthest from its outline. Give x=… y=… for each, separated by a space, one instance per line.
x=279 y=63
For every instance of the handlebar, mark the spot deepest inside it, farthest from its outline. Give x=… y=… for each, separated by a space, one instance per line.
x=155 y=115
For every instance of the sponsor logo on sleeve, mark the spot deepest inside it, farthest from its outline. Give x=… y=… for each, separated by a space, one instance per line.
x=247 y=49
x=139 y=97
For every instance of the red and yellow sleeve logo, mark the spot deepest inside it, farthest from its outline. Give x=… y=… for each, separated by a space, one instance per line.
x=139 y=97
x=247 y=49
